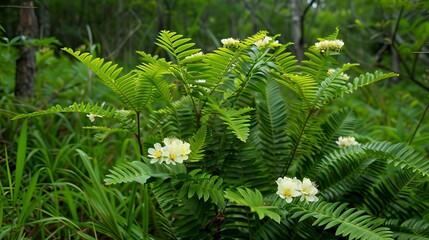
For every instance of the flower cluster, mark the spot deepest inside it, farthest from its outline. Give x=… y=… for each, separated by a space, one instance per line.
x=174 y=151
x=266 y=41
x=92 y=116
x=346 y=141
x=230 y=42
x=329 y=45
x=288 y=188
x=343 y=75
x=194 y=55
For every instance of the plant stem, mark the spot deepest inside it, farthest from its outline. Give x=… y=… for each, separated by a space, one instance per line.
x=145 y=212
x=130 y=214
x=418 y=125
x=134 y=191
x=139 y=139
x=292 y=156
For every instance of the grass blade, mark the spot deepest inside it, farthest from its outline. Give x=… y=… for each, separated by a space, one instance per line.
x=20 y=160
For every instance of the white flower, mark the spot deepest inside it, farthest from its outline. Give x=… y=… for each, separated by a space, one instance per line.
x=92 y=116
x=266 y=41
x=287 y=188
x=172 y=154
x=263 y=42
x=229 y=42
x=308 y=190
x=174 y=151
x=343 y=75
x=156 y=153
x=123 y=112
x=331 y=71
x=169 y=140
x=194 y=55
x=184 y=149
x=346 y=141
x=329 y=45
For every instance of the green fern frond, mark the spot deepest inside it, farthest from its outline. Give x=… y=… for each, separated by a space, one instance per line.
x=332 y=36
x=271 y=120
x=192 y=217
x=252 y=39
x=237 y=162
x=365 y=79
x=138 y=171
x=175 y=44
x=329 y=88
x=82 y=107
x=177 y=119
x=349 y=221
x=399 y=155
x=104 y=132
x=413 y=229
x=341 y=123
x=205 y=186
x=163 y=123
x=220 y=68
x=387 y=197
x=338 y=123
x=151 y=77
x=303 y=130
x=340 y=172
x=271 y=229
x=235 y=120
x=285 y=62
x=197 y=143
x=254 y=200
x=124 y=87
x=128 y=172
x=251 y=78
x=303 y=85
x=317 y=65
x=162 y=226
x=106 y=71
x=220 y=64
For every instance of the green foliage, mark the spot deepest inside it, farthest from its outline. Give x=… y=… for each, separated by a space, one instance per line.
x=250 y=114
x=255 y=201
x=235 y=120
x=88 y=108
x=399 y=155
x=352 y=223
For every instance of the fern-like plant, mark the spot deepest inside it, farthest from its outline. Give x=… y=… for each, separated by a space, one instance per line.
x=246 y=115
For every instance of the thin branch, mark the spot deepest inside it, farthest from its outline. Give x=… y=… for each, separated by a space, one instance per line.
x=395 y=30
x=258 y=17
x=392 y=38
x=307 y=8
x=409 y=72
x=418 y=125
x=131 y=33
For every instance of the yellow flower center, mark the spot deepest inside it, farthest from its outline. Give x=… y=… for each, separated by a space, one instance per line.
x=157 y=154
x=287 y=192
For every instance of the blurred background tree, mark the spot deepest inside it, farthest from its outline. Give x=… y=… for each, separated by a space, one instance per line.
x=378 y=33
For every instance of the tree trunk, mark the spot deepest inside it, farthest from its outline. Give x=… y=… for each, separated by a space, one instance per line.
x=297 y=34
x=44 y=21
x=395 y=63
x=26 y=63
